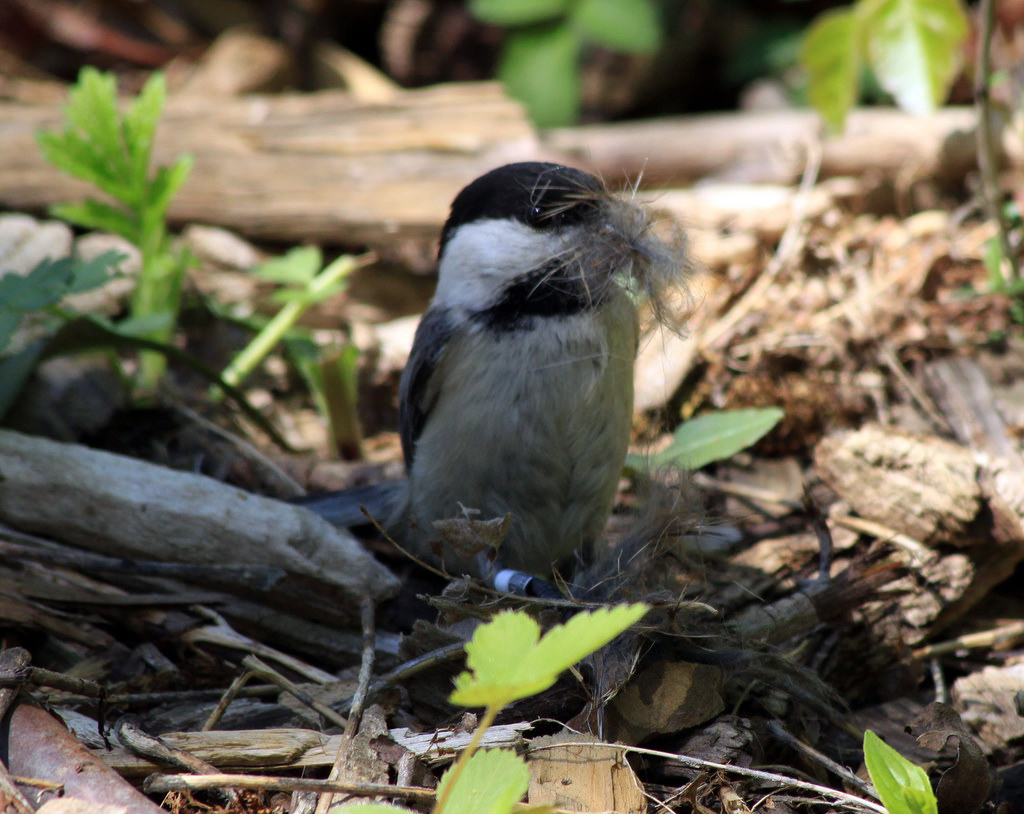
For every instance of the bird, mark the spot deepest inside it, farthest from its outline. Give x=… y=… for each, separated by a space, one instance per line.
x=517 y=397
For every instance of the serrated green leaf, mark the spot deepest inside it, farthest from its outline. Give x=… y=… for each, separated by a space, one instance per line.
x=167 y=182
x=913 y=48
x=622 y=25
x=297 y=267
x=15 y=370
x=492 y=782
x=92 y=111
x=75 y=155
x=91 y=214
x=831 y=56
x=539 y=67
x=902 y=786
x=89 y=274
x=9 y=322
x=508 y=660
x=40 y=288
x=517 y=12
x=139 y=125
x=712 y=437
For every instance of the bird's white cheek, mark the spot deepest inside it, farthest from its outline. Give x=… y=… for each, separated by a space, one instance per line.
x=482 y=257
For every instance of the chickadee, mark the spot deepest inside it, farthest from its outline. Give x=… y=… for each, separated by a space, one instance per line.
x=518 y=395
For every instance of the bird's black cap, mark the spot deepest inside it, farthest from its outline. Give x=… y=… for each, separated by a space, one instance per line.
x=537 y=193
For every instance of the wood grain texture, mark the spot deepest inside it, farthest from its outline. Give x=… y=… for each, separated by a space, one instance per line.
x=315 y=167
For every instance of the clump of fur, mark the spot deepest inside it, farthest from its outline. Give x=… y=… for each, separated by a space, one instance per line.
x=670 y=519
x=629 y=249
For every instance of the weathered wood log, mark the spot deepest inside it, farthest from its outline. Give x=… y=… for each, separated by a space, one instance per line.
x=773 y=146
x=328 y=168
x=122 y=507
x=316 y=167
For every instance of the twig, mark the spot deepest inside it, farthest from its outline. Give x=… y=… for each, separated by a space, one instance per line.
x=265 y=671
x=706 y=765
x=250 y=450
x=889 y=358
x=742 y=490
x=163 y=783
x=16 y=802
x=985 y=144
x=917 y=550
x=407 y=670
x=229 y=695
x=777 y=730
x=970 y=641
x=358 y=700
x=40 y=549
x=222 y=634
x=149 y=747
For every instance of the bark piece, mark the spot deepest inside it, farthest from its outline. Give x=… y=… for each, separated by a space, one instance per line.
x=666 y=697
x=925 y=488
x=301 y=748
x=583 y=776
x=985 y=700
x=40 y=747
x=128 y=508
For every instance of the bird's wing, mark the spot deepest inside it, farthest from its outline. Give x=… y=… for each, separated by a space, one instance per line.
x=416 y=394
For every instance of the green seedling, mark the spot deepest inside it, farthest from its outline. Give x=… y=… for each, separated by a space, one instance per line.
x=304 y=283
x=111 y=150
x=902 y=786
x=508 y=659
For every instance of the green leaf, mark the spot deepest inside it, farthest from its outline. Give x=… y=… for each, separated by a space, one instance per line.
x=167 y=182
x=508 y=660
x=492 y=782
x=79 y=158
x=298 y=267
x=89 y=274
x=902 y=786
x=139 y=125
x=517 y=12
x=913 y=48
x=90 y=214
x=831 y=56
x=15 y=370
x=539 y=67
x=9 y=322
x=47 y=284
x=39 y=289
x=712 y=437
x=622 y=25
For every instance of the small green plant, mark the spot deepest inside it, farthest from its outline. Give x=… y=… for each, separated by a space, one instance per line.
x=712 y=437
x=331 y=375
x=37 y=296
x=911 y=46
x=995 y=260
x=111 y=150
x=508 y=660
x=539 y=63
x=902 y=786
x=304 y=282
